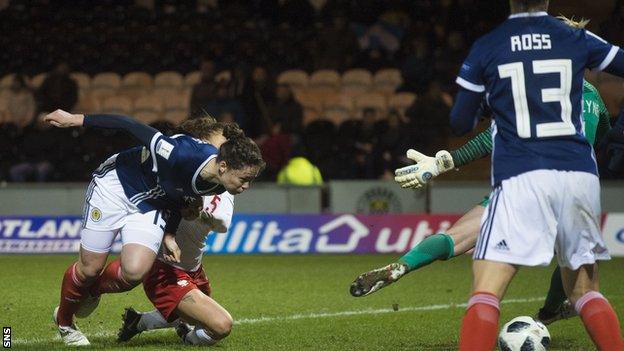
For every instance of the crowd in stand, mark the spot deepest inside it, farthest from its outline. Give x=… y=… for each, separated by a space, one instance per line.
x=240 y=48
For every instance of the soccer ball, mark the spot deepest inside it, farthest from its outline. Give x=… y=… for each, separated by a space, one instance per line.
x=524 y=334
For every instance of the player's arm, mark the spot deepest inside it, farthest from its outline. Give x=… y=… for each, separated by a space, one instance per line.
x=171 y=250
x=476 y=148
x=603 y=56
x=427 y=168
x=604 y=122
x=144 y=133
x=464 y=116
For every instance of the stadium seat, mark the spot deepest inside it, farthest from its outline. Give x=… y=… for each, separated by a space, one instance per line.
x=336 y=116
x=370 y=100
x=36 y=81
x=325 y=79
x=176 y=102
x=147 y=117
x=387 y=80
x=117 y=104
x=168 y=79
x=107 y=80
x=148 y=103
x=296 y=78
x=357 y=80
x=309 y=99
x=6 y=81
x=88 y=104
x=192 y=78
x=82 y=79
x=140 y=80
x=341 y=101
x=401 y=101
x=176 y=117
x=136 y=84
x=310 y=115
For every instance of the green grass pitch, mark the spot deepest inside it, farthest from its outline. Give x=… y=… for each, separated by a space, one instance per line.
x=295 y=303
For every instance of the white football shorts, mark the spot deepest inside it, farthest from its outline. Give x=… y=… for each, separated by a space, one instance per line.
x=108 y=212
x=534 y=214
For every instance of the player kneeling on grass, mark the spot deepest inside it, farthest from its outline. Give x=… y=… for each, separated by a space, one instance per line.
x=177 y=284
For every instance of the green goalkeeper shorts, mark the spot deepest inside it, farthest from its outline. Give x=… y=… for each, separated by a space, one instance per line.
x=485 y=201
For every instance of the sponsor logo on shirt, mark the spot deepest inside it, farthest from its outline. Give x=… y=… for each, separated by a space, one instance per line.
x=96 y=214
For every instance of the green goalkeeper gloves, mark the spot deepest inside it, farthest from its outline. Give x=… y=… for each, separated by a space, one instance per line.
x=425 y=169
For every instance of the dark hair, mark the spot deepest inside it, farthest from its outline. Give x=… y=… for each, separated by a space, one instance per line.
x=205 y=127
x=241 y=152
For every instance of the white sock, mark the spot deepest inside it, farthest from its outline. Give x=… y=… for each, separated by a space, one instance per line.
x=199 y=336
x=154 y=320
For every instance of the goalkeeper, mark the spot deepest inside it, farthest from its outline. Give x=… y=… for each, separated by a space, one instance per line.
x=462 y=236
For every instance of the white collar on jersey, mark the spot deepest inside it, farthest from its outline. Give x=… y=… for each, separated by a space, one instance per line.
x=528 y=14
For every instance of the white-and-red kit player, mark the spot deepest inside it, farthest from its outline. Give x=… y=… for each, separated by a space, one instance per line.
x=178 y=287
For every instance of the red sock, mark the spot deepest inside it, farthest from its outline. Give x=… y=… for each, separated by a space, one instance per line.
x=600 y=321
x=111 y=280
x=480 y=324
x=73 y=290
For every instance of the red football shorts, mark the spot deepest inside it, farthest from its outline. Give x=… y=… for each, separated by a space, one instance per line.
x=165 y=286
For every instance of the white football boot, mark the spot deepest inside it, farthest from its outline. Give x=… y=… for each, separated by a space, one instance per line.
x=71 y=336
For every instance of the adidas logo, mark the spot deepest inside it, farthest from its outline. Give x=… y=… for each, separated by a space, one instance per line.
x=502 y=245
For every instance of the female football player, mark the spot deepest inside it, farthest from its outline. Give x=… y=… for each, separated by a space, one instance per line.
x=128 y=195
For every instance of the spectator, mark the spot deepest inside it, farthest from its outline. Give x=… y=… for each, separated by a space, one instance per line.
x=365 y=144
x=35 y=161
x=223 y=103
x=258 y=95
x=276 y=149
x=392 y=145
x=204 y=91
x=58 y=90
x=416 y=66
x=299 y=170
x=286 y=111
x=20 y=103
x=428 y=120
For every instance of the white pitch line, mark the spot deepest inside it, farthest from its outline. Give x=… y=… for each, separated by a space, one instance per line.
x=244 y=321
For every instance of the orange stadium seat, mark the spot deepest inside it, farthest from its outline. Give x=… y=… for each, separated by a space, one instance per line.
x=310 y=115
x=176 y=102
x=336 y=116
x=88 y=104
x=338 y=102
x=401 y=101
x=147 y=117
x=192 y=78
x=36 y=81
x=296 y=78
x=309 y=99
x=82 y=79
x=117 y=104
x=168 y=79
x=387 y=80
x=176 y=117
x=371 y=100
x=106 y=80
x=148 y=103
x=325 y=79
x=357 y=80
x=6 y=81
x=141 y=80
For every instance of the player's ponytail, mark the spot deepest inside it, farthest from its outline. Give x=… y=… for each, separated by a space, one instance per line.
x=241 y=152
x=200 y=128
x=580 y=24
x=231 y=131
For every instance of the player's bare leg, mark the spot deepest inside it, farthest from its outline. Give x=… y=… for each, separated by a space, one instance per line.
x=457 y=240
x=211 y=321
x=598 y=316
x=74 y=290
x=480 y=323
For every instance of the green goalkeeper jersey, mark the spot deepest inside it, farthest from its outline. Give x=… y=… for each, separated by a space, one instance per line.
x=595 y=117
